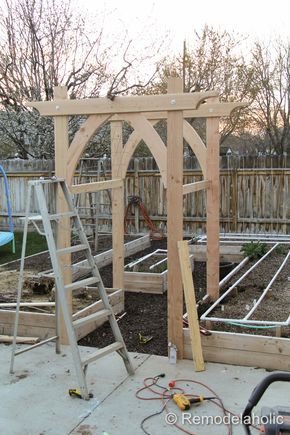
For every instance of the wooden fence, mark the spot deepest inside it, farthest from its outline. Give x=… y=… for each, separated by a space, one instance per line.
x=254 y=193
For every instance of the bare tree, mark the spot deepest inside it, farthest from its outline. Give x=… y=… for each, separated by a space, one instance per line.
x=46 y=43
x=212 y=61
x=271 y=91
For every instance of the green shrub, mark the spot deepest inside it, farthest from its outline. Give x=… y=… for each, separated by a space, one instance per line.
x=254 y=250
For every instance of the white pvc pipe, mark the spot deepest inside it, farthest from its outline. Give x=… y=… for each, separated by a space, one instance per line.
x=204 y=316
x=267 y=288
x=158 y=263
x=233 y=272
x=246 y=322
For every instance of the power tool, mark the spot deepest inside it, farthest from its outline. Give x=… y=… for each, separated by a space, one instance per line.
x=184 y=403
x=276 y=420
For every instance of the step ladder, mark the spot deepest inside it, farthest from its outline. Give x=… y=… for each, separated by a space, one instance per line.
x=61 y=289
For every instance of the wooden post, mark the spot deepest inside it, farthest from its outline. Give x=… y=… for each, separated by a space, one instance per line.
x=213 y=205
x=175 y=219
x=63 y=225
x=117 y=206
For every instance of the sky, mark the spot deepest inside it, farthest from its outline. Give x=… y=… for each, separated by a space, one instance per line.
x=261 y=19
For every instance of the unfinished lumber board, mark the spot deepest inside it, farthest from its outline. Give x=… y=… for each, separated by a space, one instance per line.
x=40 y=325
x=175 y=220
x=213 y=205
x=19 y=340
x=96 y=186
x=105 y=258
x=243 y=349
x=144 y=103
x=27 y=304
x=63 y=229
x=190 y=300
x=195 y=187
x=117 y=206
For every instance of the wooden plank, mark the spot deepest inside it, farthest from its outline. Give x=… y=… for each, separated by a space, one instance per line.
x=144 y=282
x=243 y=349
x=19 y=340
x=196 y=144
x=30 y=319
x=80 y=141
x=189 y=292
x=105 y=258
x=63 y=225
x=174 y=220
x=207 y=110
x=152 y=140
x=129 y=148
x=132 y=104
x=195 y=187
x=117 y=206
x=212 y=207
x=96 y=186
x=227 y=253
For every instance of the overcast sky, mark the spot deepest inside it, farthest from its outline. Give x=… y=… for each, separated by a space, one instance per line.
x=262 y=19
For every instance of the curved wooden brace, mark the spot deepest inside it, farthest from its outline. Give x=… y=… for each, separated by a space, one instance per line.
x=81 y=139
x=144 y=129
x=196 y=144
x=129 y=149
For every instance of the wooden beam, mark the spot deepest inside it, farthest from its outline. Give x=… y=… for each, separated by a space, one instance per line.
x=213 y=207
x=19 y=340
x=129 y=148
x=196 y=144
x=145 y=103
x=207 y=110
x=63 y=225
x=80 y=141
x=96 y=186
x=191 y=309
x=195 y=187
x=243 y=349
x=152 y=140
x=117 y=206
x=174 y=220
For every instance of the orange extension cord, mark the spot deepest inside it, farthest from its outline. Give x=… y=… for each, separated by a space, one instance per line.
x=165 y=395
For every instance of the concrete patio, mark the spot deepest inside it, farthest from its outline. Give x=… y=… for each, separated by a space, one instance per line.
x=35 y=400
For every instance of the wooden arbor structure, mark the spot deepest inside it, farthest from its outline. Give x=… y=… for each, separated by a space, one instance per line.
x=142 y=113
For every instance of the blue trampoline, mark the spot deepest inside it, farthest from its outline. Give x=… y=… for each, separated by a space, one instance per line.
x=7 y=236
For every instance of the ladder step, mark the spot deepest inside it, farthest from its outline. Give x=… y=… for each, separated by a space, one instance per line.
x=99 y=315
x=70 y=249
x=102 y=352
x=57 y=216
x=83 y=283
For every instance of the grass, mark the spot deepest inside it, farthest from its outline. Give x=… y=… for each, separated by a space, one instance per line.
x=35 y=243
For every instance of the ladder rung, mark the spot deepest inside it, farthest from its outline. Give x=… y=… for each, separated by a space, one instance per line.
x=26 y=349
x=70 y=249
x=102 y=352
x=83 y=283
x=99 y=315
x=57 y=216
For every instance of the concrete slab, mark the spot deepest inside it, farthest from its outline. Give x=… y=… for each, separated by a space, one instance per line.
x=35 y=399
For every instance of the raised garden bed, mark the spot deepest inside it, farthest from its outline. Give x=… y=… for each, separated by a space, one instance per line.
x=148 y=274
